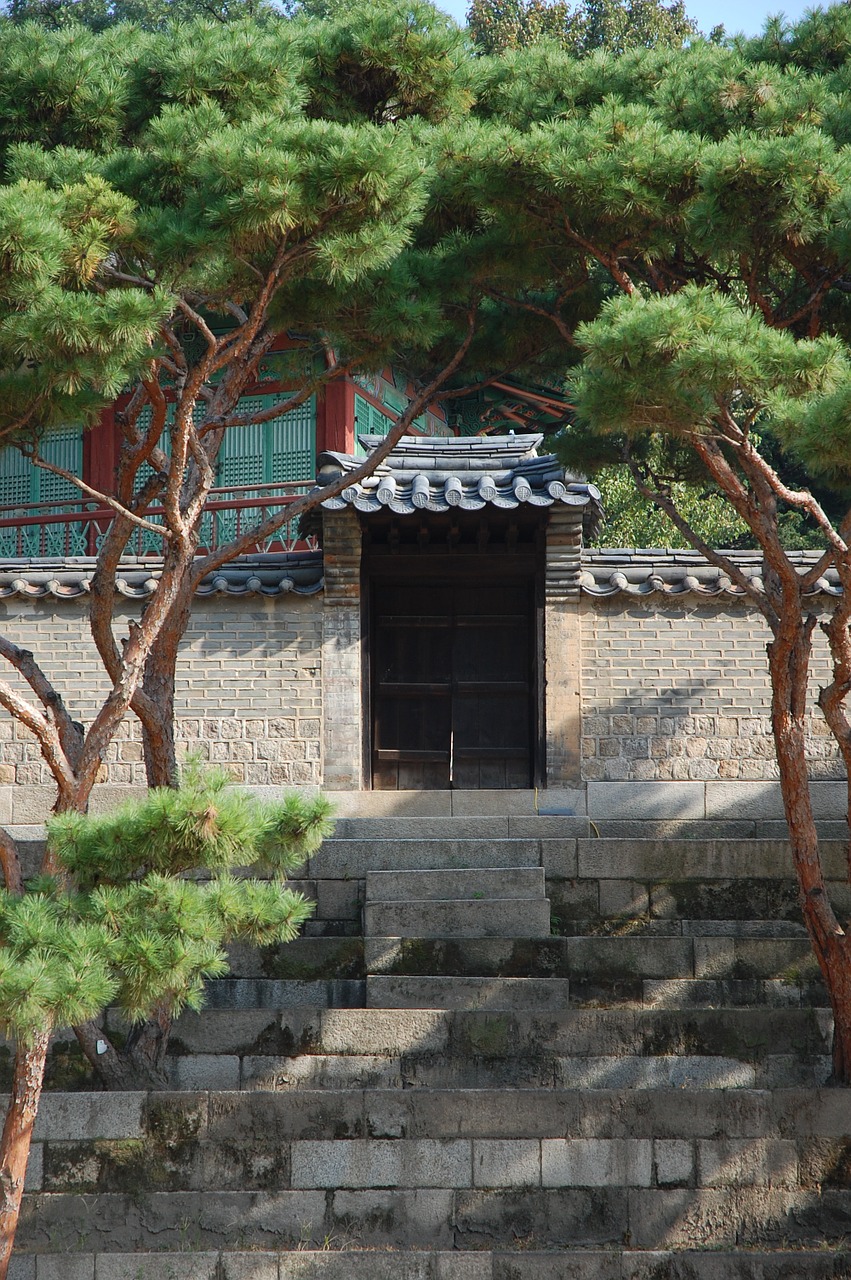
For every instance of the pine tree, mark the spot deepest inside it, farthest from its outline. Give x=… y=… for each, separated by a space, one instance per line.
x=681 y=219
x=194 y=193
x=135 y=911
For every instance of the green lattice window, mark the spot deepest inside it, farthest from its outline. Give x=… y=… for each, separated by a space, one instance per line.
x=284 y=448
x=22 y=483
x=369 y=421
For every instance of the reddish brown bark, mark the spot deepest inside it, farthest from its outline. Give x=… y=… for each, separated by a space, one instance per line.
x=788 y=657
x=17 y=1137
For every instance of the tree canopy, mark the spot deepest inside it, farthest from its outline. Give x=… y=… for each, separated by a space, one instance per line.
x=615 y=25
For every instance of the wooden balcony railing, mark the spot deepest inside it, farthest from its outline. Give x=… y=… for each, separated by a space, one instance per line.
x=58 y=530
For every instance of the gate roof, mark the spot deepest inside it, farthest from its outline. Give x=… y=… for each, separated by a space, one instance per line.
x=436 y=473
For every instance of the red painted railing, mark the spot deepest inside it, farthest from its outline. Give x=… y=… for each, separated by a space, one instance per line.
x=47 y=530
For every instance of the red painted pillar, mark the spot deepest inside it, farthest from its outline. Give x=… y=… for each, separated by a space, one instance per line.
x=335 y=418
x=100 y=460
x=100 y=453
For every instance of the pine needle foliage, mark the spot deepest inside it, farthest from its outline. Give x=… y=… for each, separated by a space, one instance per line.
x=148 y=901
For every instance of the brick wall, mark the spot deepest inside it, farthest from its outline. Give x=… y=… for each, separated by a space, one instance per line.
x=248 y=681
x=679 y=690
x=671 y=690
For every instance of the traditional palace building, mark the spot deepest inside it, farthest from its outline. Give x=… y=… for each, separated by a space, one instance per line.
x=444 y=626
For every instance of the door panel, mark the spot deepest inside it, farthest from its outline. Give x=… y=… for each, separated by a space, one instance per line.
x=452 y=684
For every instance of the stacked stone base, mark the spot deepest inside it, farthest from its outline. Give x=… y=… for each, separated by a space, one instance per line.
x=640 y=1095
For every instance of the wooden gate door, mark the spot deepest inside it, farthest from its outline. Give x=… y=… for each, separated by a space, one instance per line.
x=453 y=685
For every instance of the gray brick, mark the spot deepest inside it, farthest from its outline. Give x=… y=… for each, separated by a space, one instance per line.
x=596 y=1162
x=378 y=1163
x=66 y=1268
x=505 y=1163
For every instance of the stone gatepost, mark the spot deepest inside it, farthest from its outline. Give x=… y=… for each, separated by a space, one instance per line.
x=562 y=647
x=342 y=671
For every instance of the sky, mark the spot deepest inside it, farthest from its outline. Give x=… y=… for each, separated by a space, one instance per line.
x=736 y=15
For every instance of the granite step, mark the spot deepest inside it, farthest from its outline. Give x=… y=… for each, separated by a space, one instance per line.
x=491 y=883
x=479 y=1048
x=248 y=1118
x=275 y=993
x=539 y=826
x=439 y=1217
x=470 y=918
x=600 y=958
x=354 y=858
x=342 y=1260
x=537 y=995
x=703 y=860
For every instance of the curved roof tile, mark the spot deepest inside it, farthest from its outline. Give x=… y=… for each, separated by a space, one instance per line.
x=644 y=573
x=426 y=473
x=70 y=579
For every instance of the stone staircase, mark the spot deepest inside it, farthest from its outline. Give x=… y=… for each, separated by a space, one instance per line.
x=506 y=1049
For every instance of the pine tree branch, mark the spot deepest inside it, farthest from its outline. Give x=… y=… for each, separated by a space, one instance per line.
x=49 y=697
x=10 y=863
x=98 y=496
x=44 y=730
x=665 y=503
x=307 y=503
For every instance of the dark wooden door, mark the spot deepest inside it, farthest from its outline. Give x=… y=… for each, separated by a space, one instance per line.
x=452 y=685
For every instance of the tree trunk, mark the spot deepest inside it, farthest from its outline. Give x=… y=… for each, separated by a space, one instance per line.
x=117 y=1069
x=17 y=1136
x=158 y=683
x=788 y=664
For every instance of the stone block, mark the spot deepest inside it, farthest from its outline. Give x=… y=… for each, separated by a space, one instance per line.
x=449 y=885
x=65 y=1268
x=228 y=1031
x=746 y=1162
x=558 y=858
x=381 y=1163
x=623 y=898
x=109 y=797
x=548 y=826
x=589 y=1217
x=469 y=803
x=34 y=1179
x=350 y=859
x=515 y=994
x=498 y=918
x=339 y=899
x=22 y=1267
x=381 y=804
x=322 y=1071
x=622 y=800
x=378 y=1031
x=420 y=1218
x=506 y=1163
x=28 y=804
x=674 y=1161
x=157 y=1266
x=77 y=1117
x=753 y=800
x=249 y=1266
x=558 y=801
x=596 y=1162
x=566 y=1264
x=402 y=828
x=204 y=1071
x=460 y=1266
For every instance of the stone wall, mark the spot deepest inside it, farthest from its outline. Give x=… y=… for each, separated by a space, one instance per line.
x=677 y=689
x=248 y=680
x=672 y=688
